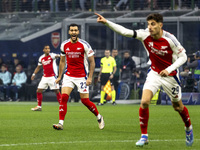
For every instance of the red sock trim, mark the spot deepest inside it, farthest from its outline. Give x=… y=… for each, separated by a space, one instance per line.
x=144 y=118
x=185 y=117
x=63 y=106
x=58 y=95
x=39 y=99
x=90 y=105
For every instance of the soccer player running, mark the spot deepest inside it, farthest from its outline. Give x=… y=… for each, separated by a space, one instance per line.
x=75 y=52
x=166 y=55
x=48 y=61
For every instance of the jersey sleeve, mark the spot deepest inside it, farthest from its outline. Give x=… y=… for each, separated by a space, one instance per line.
x=53 y=55
x=120 y=29
x=40 y=61
x=88 y=49
x=141 y=34
x=175 y=44
x=62 y=49
x=179 y=51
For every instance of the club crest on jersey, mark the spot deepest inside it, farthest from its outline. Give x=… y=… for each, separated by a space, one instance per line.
x=55 y=39
x=164 y=47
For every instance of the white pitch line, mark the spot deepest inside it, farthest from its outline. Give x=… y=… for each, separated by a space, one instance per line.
x=71 y=142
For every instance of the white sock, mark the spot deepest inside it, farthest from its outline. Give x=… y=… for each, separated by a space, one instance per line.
x=61 y=122
x=98 y=116
x=188 y=128
x=145 y=135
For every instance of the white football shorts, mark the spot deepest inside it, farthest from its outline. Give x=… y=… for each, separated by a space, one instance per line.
x=170 y=84
x=79 y=82
x=48 y=81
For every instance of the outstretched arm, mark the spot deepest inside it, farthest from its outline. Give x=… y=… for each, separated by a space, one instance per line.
x=115 y=27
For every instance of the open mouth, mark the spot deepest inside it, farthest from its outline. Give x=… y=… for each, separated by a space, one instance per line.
x=74 y=36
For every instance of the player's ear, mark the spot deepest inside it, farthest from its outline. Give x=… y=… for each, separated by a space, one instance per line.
x=161 y=24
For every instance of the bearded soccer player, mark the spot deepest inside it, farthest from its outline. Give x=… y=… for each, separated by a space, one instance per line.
x=76 y=51
x=166 y=55
x=48 y=61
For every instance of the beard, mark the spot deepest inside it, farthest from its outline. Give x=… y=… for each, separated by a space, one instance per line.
x=74 y=38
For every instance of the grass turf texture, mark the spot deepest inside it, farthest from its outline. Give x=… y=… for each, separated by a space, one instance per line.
x=22 y=128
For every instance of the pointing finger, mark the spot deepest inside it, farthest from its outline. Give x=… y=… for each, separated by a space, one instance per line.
x=98 y=15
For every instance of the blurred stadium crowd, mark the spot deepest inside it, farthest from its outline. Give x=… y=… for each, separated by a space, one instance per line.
x=91 y=5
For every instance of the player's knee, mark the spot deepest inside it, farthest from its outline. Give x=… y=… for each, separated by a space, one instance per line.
x=56 y=91
x=144 y=104
x=64 y=98
x=39 y=91
x=177 y=108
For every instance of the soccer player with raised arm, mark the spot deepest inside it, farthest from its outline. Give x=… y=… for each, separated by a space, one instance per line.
x=50 y=71
x=166 y=55
x=74 y=52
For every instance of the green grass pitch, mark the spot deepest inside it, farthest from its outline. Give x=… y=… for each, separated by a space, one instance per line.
x=21 y=128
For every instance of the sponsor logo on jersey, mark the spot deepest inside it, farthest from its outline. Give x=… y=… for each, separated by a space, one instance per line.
x=46 y=62
x=67 y=49
x=55 y=39
x=73 y=54
x=156 y=51
x=78 y=48
x=85 y=90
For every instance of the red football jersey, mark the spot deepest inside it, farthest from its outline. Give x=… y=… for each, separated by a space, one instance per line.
x=162 y=52
x=49 y=65
x=76 y=57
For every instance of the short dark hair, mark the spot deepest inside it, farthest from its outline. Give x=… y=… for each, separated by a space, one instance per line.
x=73 y=25
x=4 y=65
x=127 y=51
x=155 y=16
x=45 y=45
